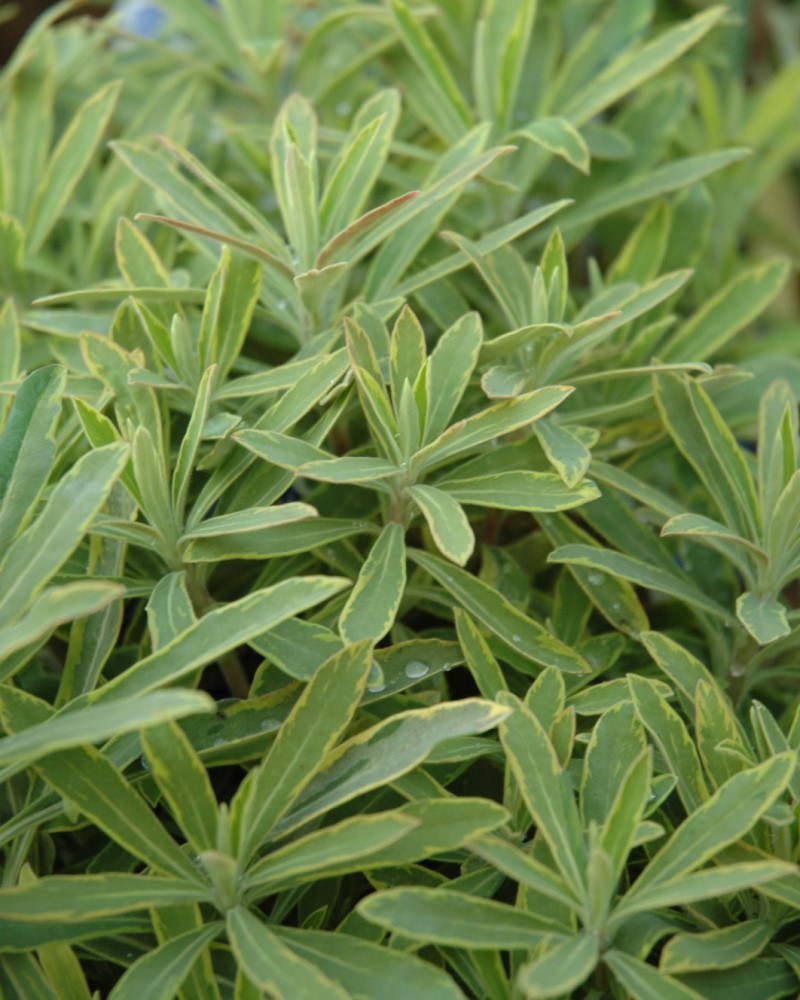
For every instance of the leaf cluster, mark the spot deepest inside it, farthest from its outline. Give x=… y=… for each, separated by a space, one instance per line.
x=399 y=541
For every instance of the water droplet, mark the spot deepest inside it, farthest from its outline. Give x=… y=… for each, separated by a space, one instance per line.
x=651 y=797
x=145 y=763
x=376 y=688
x=595 y=579
x=281 y=304
x=219 y=742
x=448 y=666
x=416 y=669
x=516 y=639
x=616 y=606
x=267 y=725
x=343 y=108
x=737 y=670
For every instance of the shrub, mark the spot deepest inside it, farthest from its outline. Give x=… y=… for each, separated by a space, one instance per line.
x=399 y=542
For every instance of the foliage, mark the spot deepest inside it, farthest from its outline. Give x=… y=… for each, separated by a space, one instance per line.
x=399 y=542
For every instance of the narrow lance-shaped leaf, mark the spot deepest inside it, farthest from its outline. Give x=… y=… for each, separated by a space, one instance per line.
x=561 y=968
x=54 y=606
x=82 y=897
x=494 y=612
x=672 y=739
x=187 y=454
x=217 y=632
x=68 y=162
x=93 y=785
x=544 y=789
x=95 y=723
x=447 y=522
x=373 y=603
x=183 y=782
x=320 y=716
x=733 y=810
x=160 y=973
x=41 y=549
x=450 y=367
x=494 y=422
x=444 y=916
x=370 y=970
x=27 y=449
x=558 y=136
x=386 y=751
x=272 y=966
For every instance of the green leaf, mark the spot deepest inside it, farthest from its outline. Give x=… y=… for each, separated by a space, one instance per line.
x=358 y=163
x=187 y=454
x=386 y=751
x=93 y=785
x=68 y=162
x=298 y=531
x=643 y=981
x=526 y=636
x=253 y=519
x=545 y=790
x=520 y=490
x=85 y=897
x=710 y=883
x=480 y=660
x=444 y=916
x=41 y=549
x=613 y=597
x=335 y=850
x=169 y=610
x=274 y=967
x=722 y=948
x=727 y=312
x=450 y=367
x=93 y=724
x=447 y=522
x=723 y=819
x=316 y=722
x=368 y=970
x=150 y=470
x=650 y=184
x=565 y=450
x=407 y=352
x=709 y=445
x=446 y=106
x=183 y=782
x=503 y=418
x=160 y=973
x=558 y=136
x=218 y=632
x=764 y=619
x=561 y=968
x=706 y=530
x=27 y=449
x=638 y=572
x=672 y=740
x=54 y=606
x=230 y=301
x=617 y=741
x=525 y=869
x=777 y=444
x=623 y=823
x=373 y=603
